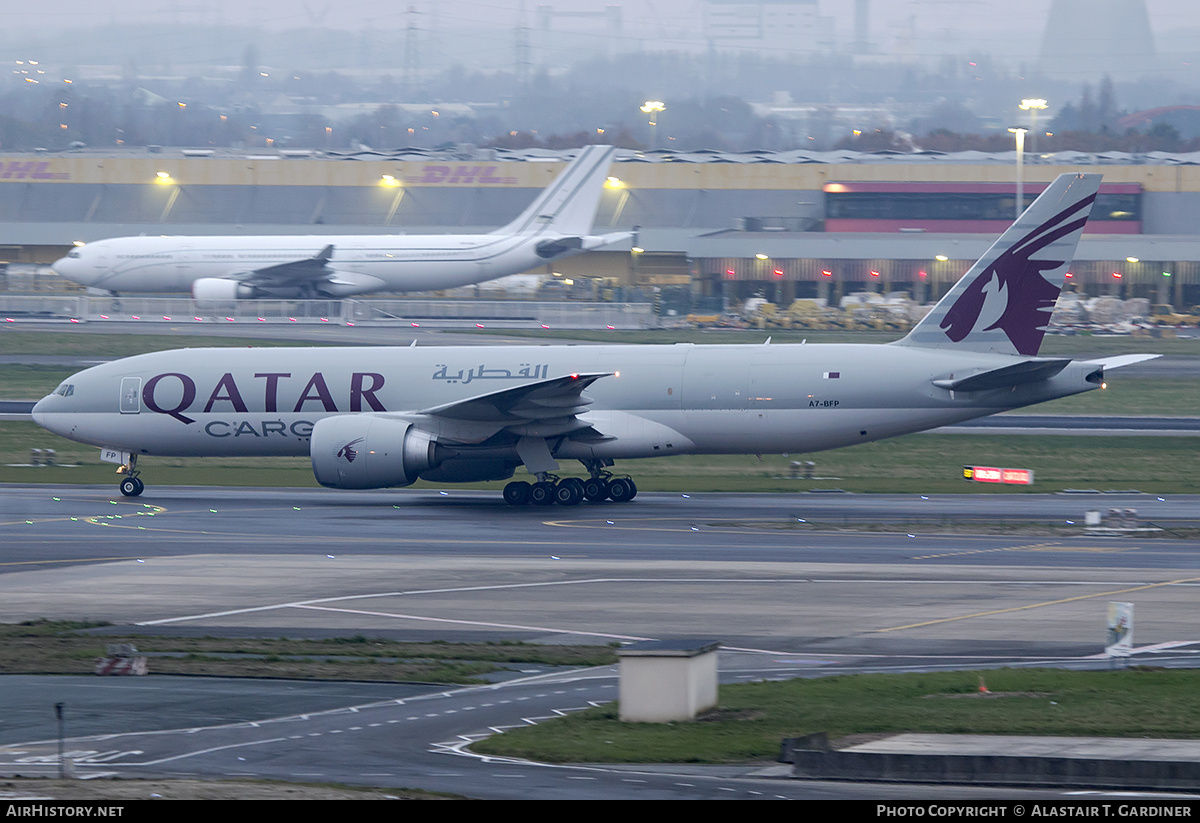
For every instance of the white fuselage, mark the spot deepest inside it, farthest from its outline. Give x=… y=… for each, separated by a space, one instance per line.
x=658 y=400
x=368 y=262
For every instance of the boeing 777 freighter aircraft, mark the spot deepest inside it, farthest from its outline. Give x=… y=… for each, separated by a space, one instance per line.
x=556 y=225
x=378 y=417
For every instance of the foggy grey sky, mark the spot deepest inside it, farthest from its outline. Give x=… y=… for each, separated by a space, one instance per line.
x=980 y=16
x=998 y=28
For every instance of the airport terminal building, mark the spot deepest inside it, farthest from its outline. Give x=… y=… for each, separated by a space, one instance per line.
x=720 y=227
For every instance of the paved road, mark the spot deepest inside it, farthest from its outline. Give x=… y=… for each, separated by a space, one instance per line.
x=423 y=565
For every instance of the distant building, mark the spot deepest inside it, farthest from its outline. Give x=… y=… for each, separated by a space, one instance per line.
x=777 y=26
x=719 y=227
x=1086 y=39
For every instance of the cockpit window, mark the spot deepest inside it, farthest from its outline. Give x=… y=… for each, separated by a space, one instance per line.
x=74 y=254
x=65 y=390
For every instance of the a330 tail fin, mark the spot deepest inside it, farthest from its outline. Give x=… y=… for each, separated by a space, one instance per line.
x=568 y=205
x=1004 y=302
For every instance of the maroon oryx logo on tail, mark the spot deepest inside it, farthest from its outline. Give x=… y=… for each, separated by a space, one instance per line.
x=1011 y=294
x=348 y=451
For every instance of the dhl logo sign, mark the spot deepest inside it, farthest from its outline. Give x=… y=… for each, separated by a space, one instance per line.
x=461 y=175
x=30 y=170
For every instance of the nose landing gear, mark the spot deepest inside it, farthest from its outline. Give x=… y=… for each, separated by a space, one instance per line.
x=131 y=486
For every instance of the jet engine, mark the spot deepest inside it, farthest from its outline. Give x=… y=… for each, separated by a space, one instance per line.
x=368 y=451
x=218 y=288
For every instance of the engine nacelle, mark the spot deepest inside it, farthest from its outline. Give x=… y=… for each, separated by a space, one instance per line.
x=218 y=288
x=367 y=451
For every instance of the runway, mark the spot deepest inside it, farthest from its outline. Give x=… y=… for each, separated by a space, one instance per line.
x=866 y=583
x=767 y=571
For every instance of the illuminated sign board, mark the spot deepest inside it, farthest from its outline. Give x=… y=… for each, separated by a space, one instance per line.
x=991 y=474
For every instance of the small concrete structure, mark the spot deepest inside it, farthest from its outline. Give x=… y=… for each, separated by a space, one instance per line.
x=662 y=681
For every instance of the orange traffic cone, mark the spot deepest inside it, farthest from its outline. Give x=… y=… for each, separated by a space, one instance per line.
x=983 y=689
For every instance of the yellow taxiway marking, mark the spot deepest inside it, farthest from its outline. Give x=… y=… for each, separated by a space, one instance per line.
x=146 y=510
x=71 y=560
x=672 y=524
x=1040 y=605
x=1032 y=547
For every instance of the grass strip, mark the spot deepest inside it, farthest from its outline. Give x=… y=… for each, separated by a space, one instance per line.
x=924 y=463
x=97 y=343
x=753 y=718
x=66 y=647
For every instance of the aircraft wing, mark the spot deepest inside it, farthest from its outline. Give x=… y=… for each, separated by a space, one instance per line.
x=545 y=408
x=308 y=270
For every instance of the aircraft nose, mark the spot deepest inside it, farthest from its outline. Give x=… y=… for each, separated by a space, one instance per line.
x=39 y=410
x=74 y=269
x=48 y=413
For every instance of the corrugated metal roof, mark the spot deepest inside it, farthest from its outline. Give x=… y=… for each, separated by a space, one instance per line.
x=797 y=156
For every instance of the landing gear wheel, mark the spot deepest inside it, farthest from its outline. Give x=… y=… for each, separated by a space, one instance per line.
x=132 y=487
x=569 y=492
x=595 y=489
x=517 y=493
x=621 y=490
x=541 y=493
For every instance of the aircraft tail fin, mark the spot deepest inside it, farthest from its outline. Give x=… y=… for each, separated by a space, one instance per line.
x=1004 y=302
x=568 y=205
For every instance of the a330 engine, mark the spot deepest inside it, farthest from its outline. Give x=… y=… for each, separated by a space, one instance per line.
x=218 y=288
x=367 y=451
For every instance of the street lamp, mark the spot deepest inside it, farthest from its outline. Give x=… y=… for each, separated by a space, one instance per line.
x=652 y=108
x=1033 y=105
x=1019 y=131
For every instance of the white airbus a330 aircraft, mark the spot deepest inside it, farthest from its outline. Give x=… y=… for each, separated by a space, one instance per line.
x=556 y=225
x=379 y=417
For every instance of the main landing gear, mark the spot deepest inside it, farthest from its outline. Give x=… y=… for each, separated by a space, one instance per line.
x=570 y=491
x=131 y=486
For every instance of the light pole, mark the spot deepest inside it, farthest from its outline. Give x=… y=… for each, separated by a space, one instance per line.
x=652 y=108
x=1019 y=131
x=1033 y=105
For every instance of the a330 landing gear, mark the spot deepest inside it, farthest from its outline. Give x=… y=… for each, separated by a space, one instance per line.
x=131 y=486
x=571 y=491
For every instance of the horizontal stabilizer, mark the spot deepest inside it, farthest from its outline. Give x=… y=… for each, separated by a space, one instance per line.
x=1026 y=371
x=553 y=248
x=567 y=245
x=1121 y=360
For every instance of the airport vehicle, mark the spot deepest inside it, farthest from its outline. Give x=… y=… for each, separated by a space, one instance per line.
x=382 y=417
x=556 y=225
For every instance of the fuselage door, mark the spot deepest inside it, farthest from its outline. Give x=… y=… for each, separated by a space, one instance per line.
x=131 y=395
